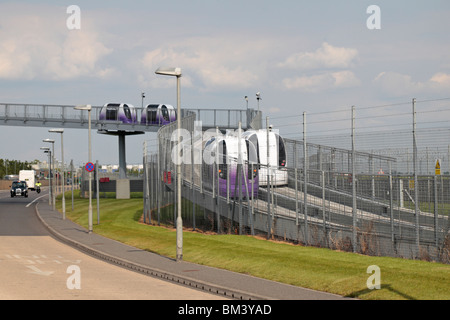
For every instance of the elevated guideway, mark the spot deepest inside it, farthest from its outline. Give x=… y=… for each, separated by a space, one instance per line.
x=65 y=116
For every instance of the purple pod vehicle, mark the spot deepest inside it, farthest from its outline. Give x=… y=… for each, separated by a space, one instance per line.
x=160 y=114
x=220 y=169
x=124 y=112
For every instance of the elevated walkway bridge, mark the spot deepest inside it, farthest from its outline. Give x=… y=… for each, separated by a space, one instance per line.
x=65 y=116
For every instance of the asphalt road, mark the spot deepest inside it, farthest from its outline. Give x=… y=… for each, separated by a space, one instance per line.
x=34 y=265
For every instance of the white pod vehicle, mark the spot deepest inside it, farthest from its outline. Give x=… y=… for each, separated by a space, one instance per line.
x=277 y=156
x=225 y=178
x=161 y=114
x=126 y=113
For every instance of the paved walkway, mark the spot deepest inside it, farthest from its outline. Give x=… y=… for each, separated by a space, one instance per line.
x=226 y=283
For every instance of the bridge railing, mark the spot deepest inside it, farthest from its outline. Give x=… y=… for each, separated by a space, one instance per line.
x=26 y=112
x=225 y=118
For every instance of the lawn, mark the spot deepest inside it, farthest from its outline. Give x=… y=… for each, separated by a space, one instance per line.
x=321 y=269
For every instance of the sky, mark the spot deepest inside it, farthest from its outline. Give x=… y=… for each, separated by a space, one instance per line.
x=303 y=56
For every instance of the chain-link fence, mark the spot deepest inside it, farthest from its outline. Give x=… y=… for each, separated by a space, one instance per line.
x=382 y=203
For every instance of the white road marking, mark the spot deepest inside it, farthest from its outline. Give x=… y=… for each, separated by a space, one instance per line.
x=34 y=201
x=37 y=271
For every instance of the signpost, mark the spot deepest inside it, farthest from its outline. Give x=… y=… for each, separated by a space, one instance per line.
x=89 y=167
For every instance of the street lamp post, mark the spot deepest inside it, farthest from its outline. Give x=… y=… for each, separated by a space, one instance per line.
x=88 y=108
x=47 y=150
x=176 y=72
x=53 y=171
x=61 y=131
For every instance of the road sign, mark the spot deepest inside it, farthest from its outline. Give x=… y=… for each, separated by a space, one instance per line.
x=437 y=168
x=89 y=167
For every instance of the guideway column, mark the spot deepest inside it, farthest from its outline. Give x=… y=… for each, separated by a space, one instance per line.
x=123 y=183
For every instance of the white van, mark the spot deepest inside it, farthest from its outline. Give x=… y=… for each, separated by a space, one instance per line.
x=29 y=176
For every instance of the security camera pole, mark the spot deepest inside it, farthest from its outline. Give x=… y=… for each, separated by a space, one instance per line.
x=258 y=97
x=176 y=72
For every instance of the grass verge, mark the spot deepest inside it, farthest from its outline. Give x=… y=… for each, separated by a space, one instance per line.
x=321 y=269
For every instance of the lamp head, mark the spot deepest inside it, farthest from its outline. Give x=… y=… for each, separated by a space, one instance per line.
x=87 y=107
x=56 y=130
x=169 y=72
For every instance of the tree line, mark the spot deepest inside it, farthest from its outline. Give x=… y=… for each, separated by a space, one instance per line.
x=12 y=167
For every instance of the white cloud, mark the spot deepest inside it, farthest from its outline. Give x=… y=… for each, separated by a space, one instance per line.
x=345 y=79
x=36 y=44
x=210 y=62
x=441 y=80
x=319 y=82
x=14 y=62
x=327 y=56
x=232 y=62
x=78 y=56
x=397 y=84
x=328 y=66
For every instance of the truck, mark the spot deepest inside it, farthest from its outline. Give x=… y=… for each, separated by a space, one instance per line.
x=30 y=177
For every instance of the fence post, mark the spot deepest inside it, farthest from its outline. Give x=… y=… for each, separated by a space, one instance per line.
x=175 y=195
x=218 y=181
x=72 y=175
x=322 y=174
x=354 y=208
x=436 y=211
x=251 y=213
x=269 y=220
x=416 y=185
x=239 y=177
x=305 y=177
x=97 y=191
x=151 y=178
x=145 y=186
x=391 y=203
x=296 y=183
x=159 y=190
x=193 y=179
x=296 y=195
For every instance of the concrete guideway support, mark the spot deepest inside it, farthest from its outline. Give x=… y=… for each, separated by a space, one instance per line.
x=123 y=184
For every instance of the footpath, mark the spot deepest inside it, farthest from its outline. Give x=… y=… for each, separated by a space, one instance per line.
x=230 y=285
